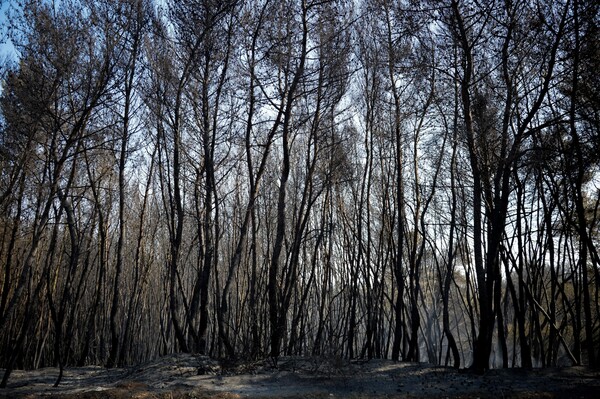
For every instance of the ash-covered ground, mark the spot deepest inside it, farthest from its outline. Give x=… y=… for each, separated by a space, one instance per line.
x=189 y=376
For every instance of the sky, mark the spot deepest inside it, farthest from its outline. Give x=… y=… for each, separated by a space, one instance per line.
x=6 y=47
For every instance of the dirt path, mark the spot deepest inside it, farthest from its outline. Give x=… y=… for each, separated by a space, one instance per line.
x=186 y=376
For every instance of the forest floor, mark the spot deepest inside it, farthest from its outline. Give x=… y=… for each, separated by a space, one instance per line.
x=187 y=376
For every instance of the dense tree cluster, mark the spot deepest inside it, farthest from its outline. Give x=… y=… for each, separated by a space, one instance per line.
x=414 y=180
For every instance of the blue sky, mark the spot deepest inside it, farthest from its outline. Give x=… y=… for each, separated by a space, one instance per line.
x=6 y=47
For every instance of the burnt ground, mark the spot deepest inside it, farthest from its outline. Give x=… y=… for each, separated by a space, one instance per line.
x=188 y=376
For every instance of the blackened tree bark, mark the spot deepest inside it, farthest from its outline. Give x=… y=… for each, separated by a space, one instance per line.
x=134 y=24
x=277 y=312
